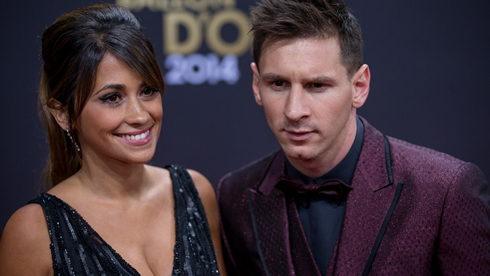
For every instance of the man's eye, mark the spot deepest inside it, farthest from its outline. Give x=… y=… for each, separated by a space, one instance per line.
x=317 y=86
x=278 y=83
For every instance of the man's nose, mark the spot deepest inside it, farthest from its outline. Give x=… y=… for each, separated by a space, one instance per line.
x=297 y=105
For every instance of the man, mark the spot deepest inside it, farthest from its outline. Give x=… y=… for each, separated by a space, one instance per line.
x=386 y=207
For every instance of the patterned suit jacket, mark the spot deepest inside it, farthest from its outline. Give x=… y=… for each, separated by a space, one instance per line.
x=412 y=211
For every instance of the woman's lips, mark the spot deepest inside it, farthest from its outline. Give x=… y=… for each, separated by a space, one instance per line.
x=137 y=136
x=139 y=139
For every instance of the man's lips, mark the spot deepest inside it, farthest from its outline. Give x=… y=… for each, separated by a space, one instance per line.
x=298 y=135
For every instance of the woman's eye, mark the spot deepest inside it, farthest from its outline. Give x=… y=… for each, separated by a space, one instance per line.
x=149 y=91
x=112 y=98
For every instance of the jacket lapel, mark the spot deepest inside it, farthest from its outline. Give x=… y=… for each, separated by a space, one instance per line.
x=366 y=208
x=270 y=223
x=281 y=243
x=303 y=260
x=280 y=240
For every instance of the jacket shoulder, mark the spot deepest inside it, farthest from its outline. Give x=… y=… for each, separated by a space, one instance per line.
x=419 y=155
x=248 y=176
x=428 y=165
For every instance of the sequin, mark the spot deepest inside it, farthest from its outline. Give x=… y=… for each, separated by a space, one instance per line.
x=77 y=249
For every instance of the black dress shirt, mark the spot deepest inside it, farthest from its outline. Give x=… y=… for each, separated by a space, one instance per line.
x=322 y=218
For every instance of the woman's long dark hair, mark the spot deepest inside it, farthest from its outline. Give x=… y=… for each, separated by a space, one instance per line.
x=72 y=48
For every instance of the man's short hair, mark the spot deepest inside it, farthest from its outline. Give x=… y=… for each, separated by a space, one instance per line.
x=274 y=20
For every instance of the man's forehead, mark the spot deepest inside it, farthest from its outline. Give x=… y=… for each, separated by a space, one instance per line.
x=312 y=60
x=275 y=42
x=309 y=48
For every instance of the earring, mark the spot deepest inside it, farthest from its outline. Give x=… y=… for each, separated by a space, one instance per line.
x=71 y=138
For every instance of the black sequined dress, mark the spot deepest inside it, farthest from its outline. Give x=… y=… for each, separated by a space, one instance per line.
x=77 y=249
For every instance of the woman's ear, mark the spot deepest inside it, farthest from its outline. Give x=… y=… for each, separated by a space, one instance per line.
x=59 y=112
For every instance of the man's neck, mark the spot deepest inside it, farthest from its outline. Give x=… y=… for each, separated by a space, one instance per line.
x=318 y=167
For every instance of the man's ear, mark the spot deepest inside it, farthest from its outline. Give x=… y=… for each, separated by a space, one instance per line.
x=360 y=82
x=256 y=83
x=59 y=112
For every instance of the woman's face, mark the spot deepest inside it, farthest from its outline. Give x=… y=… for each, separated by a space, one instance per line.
x=121 y=119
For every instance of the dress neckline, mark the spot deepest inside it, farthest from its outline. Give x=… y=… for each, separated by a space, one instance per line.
x=101 y=240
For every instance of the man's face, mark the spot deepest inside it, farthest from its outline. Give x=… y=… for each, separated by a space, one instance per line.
x=309 y=101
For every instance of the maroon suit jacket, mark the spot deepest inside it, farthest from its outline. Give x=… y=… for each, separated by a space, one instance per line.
x=412 y=211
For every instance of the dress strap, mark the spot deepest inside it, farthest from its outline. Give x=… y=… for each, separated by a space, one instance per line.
x=194 y=252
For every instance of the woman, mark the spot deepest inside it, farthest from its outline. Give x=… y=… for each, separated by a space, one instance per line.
x=107 y=212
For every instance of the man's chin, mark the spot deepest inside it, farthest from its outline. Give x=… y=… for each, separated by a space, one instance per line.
x=298 y=154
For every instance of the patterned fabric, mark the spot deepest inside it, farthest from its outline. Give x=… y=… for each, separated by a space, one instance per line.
x=440 y=223
x=77 y=249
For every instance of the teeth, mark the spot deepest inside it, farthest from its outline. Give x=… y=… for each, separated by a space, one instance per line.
x=138 y=136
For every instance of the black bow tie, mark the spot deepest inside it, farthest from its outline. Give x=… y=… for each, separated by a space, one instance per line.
x=330 y=189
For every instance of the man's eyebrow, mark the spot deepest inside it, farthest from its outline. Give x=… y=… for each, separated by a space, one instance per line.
x=272 y=76
x=319 y=79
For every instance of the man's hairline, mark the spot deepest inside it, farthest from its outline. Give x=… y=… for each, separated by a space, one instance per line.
x=268 y=41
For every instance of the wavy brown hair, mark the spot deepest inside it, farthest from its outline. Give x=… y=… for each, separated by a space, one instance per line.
x=274 y=20
x=72 y=48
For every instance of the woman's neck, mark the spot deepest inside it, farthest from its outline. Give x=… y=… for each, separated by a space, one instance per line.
x=115 y=180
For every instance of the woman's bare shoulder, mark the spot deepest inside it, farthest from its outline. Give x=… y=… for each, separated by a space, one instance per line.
x=26 y=224
x=203 y=186
x=24 y=247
